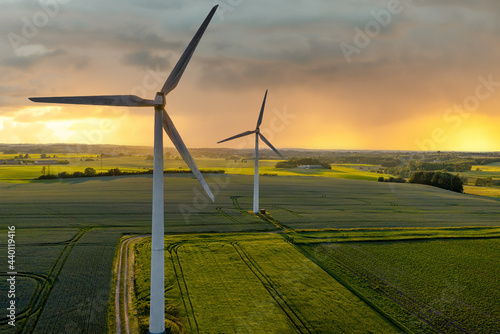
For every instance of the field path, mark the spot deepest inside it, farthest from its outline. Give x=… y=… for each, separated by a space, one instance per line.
x=123 y=288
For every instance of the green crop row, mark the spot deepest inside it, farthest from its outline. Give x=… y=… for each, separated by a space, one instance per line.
x=450 y=285
x=244 y=283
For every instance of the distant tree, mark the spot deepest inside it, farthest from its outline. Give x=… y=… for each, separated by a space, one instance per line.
x=77 y=174
x=483 y=182
x=390 y=163
x=438 y=179
x=114 y=172
x=412 y=165
x=89 y=171
x=150 y=157
x=26 y=156
x=63 y=175
x=43 y=170
x=381 y=179
x=43 y=156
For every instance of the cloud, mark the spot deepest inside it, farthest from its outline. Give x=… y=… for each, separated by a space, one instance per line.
x=33 y=57
x=145 y=58
x=427 y=59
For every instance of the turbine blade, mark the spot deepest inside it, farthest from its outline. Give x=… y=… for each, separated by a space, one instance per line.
x=262 y=111
x=179 y=68
x=102 y=100
x=271 y=146
x=171 y=131
x=246 y=133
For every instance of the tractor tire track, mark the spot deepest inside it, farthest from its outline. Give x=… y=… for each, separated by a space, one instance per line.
x=41 y=299
x=290 y=240
x=183 y=289
x=225 y=215
x=289 y=211
x=275 y=294
x=238 y=207
x=24 y=313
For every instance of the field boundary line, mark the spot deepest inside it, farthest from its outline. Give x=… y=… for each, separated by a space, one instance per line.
x=406 y=300
x=268 y=285
x=385 y=294
x=371 y=304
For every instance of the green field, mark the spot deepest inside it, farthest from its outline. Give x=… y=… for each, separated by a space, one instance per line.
x=253 y=283
x=27 y=173
x=68 y=231
x=451 y=285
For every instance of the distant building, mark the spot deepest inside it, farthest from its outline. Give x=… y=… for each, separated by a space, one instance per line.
x=310 y=166
x=45 y=162
x=9 y=162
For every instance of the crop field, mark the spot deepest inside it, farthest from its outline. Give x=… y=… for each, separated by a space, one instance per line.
x=253 y=283
x=411 y=280
x=451 y=285
x=483 y=191
x=491 y=170
x=27 y=173
x=68 y=232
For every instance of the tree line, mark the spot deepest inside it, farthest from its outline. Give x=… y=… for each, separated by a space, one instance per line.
x=295 y=162
x=438 y=179
x=91 y=172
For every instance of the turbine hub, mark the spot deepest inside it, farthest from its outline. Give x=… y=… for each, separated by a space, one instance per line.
x=159 y=100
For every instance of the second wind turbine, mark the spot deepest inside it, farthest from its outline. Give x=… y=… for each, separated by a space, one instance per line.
x=257 y=135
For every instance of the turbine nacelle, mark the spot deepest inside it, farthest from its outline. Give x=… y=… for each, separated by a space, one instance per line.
x=257 y=132
x=159 y=102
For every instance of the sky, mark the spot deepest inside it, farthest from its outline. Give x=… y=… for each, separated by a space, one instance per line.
x=356 y=75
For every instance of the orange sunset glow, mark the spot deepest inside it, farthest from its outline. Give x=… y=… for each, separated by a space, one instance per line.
x=425 y=77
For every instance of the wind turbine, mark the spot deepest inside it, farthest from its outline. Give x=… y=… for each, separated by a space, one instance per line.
x=256 y=171
x=157 y=298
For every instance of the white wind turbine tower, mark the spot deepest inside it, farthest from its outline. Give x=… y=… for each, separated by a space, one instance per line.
x=256 y=171
x=157 y=298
